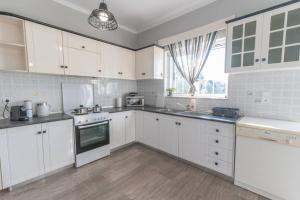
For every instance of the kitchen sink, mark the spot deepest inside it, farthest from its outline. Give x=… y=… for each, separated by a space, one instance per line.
x=167 y=110
x=192 y=113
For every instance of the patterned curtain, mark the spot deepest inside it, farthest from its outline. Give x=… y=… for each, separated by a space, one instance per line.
x=191 y=55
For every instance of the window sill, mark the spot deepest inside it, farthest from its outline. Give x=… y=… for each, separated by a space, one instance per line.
x=217 y=97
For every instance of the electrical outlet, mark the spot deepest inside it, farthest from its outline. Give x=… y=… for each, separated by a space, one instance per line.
x=266 y=98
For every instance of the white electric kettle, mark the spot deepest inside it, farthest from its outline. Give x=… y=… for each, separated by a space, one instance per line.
x=42 y=109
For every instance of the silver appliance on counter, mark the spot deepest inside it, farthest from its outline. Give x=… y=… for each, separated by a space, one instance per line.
x=91 y=125
x=134 y=100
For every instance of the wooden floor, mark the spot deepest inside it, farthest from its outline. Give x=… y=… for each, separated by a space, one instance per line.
x=135 y=173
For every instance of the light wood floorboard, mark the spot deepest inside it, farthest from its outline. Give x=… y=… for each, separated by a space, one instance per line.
x=133 y=173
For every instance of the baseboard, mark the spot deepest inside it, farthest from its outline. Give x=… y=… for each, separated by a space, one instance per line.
x=256 y=190
x=205 y=169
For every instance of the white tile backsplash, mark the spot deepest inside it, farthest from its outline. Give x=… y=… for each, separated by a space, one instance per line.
x=273 y=94
x=18 y=87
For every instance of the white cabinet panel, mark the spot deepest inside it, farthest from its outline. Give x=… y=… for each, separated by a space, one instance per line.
x=220 y=166
x=139 y=115
x=118 y=62
x=190 y=141
x=168 y=134
x=79 y=42
x=151 y=129
x=149 y=63
x=81 y=63
x=44 y=49
x=129 y=127
x=58 y=143
x=25 y=150
x=117 y=130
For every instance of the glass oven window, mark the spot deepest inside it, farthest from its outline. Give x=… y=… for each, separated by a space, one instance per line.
x=89 y=137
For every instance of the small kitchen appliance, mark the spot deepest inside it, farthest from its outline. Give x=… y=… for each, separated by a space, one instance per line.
x=133 y=100
x=226 y=112
x=42 y=109
x=28 y=107
x=18 y=113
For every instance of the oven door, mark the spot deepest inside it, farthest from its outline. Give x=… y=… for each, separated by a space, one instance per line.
x=91 y=136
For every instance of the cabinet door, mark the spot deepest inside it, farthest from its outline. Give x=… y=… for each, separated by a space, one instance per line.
x=25 y=150
x=145 y=63
x=129 y=127
x=151 y=129
x=81 y=62
x=281 y=44
x=127 y=63
x=244 y=44
x=158 y=63
x=168 y=134
x=117 y=130
x=44 y=48
x=58 y=143
x=139 y=115
x=110 y=61
x=190 y=144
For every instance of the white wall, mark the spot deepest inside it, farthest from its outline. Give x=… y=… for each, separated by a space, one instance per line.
x=213 y=12
x=246 y=91
x=18 y=87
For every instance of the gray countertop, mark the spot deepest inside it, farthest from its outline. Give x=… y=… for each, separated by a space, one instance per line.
x=7 y=123
x=159 y=110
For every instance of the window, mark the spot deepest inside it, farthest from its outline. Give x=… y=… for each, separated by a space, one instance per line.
x=212 y=82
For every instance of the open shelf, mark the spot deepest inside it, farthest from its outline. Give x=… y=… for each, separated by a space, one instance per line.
x=12 y=44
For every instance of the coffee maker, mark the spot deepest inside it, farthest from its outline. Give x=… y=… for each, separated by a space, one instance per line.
x=18 y=113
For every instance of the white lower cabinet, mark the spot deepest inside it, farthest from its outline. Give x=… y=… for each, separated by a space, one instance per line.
x=151 y=129
x=206 y=143
x=122 y=129
x=168 y=134
x=139 y=120
x=58 y=143
x=30 y=151
x=192 y=146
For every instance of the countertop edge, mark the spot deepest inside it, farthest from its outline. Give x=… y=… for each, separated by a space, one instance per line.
x=148 y=109
x=7 y=123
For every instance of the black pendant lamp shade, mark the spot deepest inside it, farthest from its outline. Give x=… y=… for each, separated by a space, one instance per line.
x=103 y=19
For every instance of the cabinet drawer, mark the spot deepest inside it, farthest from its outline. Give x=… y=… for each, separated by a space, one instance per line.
x=78 y=42
x=220 y=141
x=220 y=153
x=226 y=130
x=220 y=166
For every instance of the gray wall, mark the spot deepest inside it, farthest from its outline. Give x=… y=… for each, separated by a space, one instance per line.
x=55 y=14
x=208 y=14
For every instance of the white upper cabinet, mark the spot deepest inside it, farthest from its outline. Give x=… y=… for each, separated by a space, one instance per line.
x=244 y=44
x=82 y=56
x=281 y=44
x=149 y=63
x=118 y=62
x=270 y=40
x=44 y=47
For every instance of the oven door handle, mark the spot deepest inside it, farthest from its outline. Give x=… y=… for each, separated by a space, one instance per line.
x=93 y=125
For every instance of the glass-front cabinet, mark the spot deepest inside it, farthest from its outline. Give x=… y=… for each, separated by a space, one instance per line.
x=244 y=43
x=265 y=41
x=281 y=47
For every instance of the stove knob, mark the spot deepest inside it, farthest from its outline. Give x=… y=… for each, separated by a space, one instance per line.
x=86 y=121
x=79 y=122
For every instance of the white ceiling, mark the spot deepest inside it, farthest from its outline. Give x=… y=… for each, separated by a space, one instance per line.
x=136 y=15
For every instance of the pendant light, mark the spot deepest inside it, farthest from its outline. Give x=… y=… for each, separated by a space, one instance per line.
x=102 y=19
